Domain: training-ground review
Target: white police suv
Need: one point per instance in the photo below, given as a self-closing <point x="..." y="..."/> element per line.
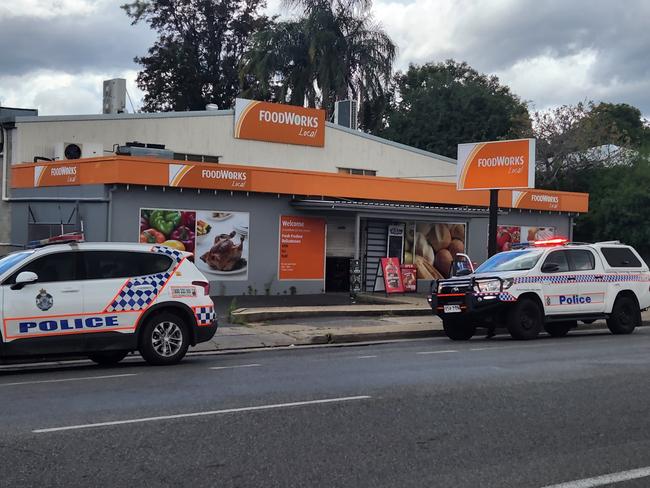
<point x="547" y="285"/>
<point x="103" y="300"/>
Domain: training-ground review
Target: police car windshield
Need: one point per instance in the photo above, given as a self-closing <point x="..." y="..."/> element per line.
<point x="521" y="260"/>
<point x="7" y="262"/>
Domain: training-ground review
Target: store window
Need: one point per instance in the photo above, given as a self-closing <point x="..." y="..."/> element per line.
<point x="356" y="171"/>
<point x="431" y="246"/>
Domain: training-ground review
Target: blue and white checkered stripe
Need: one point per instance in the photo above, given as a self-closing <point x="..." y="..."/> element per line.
<point x="577" y="278"/>
<point x="175" y="254"/>
<point x="138" y="293"/>
<point x="204" y="315"/>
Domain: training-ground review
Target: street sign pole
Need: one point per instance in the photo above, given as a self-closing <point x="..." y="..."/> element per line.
<point x="492" y="226"/>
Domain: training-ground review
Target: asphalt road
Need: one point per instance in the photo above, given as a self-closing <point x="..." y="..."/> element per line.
<point x="425" y="413"/>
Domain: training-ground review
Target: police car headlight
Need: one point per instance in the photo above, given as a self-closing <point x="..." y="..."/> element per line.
<point x="489" y="286"/>
<point x="507" y="283"/>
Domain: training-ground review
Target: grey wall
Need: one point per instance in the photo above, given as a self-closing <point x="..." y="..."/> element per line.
<point x="265" y="211"/>
<point x="478" y="228"/>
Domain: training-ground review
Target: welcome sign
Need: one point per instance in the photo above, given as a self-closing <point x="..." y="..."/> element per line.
<point x="274" y="122"/>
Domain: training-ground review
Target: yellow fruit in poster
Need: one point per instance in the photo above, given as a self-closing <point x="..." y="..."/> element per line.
<point x="174" y="244"/>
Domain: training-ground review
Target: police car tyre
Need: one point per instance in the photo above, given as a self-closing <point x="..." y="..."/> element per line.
<point x="164" y="339"/>
<point x="625" y="316"/>
<point x="560" y="329"/>
<point x="458" y="330"/>
<point x="107" y="358"/>
<point x="525" y="319"/>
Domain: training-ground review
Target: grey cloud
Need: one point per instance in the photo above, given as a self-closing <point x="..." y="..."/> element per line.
<point x="71" y="43"/>
<point x="493" y="41"/>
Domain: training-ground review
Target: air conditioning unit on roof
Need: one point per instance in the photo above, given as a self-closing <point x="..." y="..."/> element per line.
<point x="77" y="150"/>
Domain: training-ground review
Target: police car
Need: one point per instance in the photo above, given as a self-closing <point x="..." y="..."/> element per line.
<point x="103" y="300"/>
<point x="547" y="285"/>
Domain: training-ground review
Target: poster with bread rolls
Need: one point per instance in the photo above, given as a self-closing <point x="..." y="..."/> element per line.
<point x="431" y="247"/>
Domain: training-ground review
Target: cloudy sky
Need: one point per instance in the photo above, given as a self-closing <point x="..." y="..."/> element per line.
<point x="54" y="54"/>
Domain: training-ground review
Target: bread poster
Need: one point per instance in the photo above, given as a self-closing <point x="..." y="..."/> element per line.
<point x="431" y="247"/>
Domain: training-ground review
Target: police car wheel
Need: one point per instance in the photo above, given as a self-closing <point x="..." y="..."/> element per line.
<point x="107" y="358"/>
<point x="525" y="320"/>
<point x="458" y="330"/>
<point x="625" y="316"/>
<point x="559" y="329"/>
<point x="164" y="339"/>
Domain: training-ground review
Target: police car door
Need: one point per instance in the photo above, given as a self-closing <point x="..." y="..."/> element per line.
<point x="558" y="285"/>
<point x="119" y="287"/>
<point x="40" y="311"/>
<point x="591" y="288"/>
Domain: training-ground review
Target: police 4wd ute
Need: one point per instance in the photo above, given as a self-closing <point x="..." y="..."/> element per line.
<point x="547" y="285"/>
<point x="103" y="300"/>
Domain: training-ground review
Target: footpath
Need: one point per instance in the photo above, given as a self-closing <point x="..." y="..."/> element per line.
<point x="263" y="322"/>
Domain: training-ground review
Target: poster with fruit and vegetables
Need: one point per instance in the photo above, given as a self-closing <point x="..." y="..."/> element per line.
<point x="218" y="239"/>
<point x="508" y="235"/>
<point x="431" y="247"/>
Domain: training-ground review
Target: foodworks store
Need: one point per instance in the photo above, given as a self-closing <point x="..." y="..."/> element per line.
<point x="263" y="230"/>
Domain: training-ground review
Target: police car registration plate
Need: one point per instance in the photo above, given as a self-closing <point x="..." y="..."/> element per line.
<point x="451" y="308"/>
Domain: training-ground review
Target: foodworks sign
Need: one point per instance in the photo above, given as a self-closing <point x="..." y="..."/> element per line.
<point x="536" y="200"/>
<point x="496" y="165"/>
<point x="273" y="122"/>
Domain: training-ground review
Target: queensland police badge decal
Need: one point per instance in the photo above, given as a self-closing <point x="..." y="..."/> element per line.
<point x="44" y="300"/>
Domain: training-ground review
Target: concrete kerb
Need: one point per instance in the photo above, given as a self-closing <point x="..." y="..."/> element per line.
<point x="286" y="313"/>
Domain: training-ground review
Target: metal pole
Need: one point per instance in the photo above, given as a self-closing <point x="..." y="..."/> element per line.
<point x="492" y="226"/>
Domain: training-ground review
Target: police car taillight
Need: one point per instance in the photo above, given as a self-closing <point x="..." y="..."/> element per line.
<point x="203" y="284"/>
<point x="556" y="241"/>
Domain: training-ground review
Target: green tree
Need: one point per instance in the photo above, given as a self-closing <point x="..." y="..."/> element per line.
<point x="332" y="51"/>
<point x="199" y="48"/>
<point x="573" y="139"/>
<point x="439" y="105"/>
<point x="618" y="204"/>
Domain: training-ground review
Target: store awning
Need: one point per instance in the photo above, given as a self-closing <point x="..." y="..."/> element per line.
<point x="367" y="206"/>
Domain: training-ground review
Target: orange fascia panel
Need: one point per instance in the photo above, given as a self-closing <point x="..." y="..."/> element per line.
<point x="186" y="174"/>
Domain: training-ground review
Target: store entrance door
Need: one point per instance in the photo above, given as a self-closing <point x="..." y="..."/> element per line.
<point x="337" y="270"/>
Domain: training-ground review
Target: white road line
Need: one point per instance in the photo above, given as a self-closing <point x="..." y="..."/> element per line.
<point x="69" y="379"/>
<point x="365" y="357"/>
<point x="438" y="352"/>
<point x="605" y="479"/>
<point x="237" y="366"/>
<point x="203" y="414"/>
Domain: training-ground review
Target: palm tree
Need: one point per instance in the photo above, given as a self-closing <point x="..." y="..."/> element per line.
<point x="332" y="51"/>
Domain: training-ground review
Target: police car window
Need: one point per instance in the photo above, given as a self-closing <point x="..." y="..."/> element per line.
<point x="519" y="260"/>
<point x="60" y="266"/>
<point x="104" y="265"/>
<point x="559" y="258"/>
<point x="10" y="260"/>
<point x="621" y="257"/>
<point x="581" y="260"/>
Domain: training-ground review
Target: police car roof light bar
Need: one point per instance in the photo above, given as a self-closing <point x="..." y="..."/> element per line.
<point x="70" y="238"/>
<point x="555" y="241"/>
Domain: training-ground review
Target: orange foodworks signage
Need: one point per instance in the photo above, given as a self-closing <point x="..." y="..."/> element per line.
<point x="56" y="175"/>
<point x="496" y="165"/>
<point x="274" y="122"/>
<point x="200" y="176"/>
<point x="536" y="200"/>
<point x="302" y="248"/>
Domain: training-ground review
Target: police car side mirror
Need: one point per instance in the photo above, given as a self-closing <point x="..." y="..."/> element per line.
<point x="24" y="278"/>
<point x="550" y="267"/>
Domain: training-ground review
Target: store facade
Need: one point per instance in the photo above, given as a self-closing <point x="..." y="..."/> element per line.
<point x="274" y="231"/>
